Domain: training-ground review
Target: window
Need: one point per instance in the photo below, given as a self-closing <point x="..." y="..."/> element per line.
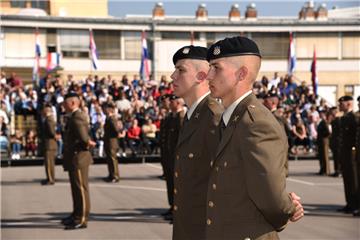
<point x="179" y="35"/>
<point x="272" y="45"/>
<point x="132" y="45"/>
<point x="42" y="4"/>
<point x="351" y="45"/>
<point x="20" y="42"/>
<point x="107" y="44"/>
<point x="17" y="4"/>
<point x="51" y="37"/>
<point x="326" y="44"/>
<point x="349" y="90"/>
<point x="75" y="43"/>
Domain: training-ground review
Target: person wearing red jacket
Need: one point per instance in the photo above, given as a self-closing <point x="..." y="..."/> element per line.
<point x="133" y="135"/>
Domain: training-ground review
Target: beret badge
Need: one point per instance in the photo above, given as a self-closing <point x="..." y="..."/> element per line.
<point x="217" y="50"/>
<point x="186" y="51"/>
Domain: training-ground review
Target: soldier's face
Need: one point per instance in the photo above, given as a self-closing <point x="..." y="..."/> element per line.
<point x="184" y="77"/>
<point x="67" y="105"/>
<point x="222" y="78"/>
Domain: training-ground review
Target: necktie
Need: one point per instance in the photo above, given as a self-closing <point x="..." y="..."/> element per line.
<point x="185" y="121"/>
<point x="222" y="128"/>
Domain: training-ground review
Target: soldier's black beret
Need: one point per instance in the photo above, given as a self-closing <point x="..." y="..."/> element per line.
<point x="230" y="47"/>
<point x="270" y="95"/>
<point x="190" y="52"/>
<point x="173" y="97"/>
<point x="358" y="98"/>
<point x="71" y="94"/>
<point x="345" y="98"/>
<point x="165" y="96"/>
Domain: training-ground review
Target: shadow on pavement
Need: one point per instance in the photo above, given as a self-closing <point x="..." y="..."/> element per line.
<point x="33" y="222"/>
<point x="145" y="215"/>
<point x="35" y="181"/>
<point x="328" y="210"/>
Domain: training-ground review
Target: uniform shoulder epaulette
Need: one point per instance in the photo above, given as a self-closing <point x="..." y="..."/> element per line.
<point x="253" y="111"/>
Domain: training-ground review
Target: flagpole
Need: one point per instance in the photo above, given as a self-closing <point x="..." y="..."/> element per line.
<point x="36" y="67"/>
<point x="90" y="56"/>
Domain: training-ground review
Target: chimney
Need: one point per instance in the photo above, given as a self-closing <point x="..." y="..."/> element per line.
<point x="202" y="13"/>
<point x="158" y="12"/>
<point x="234" y="14"/>
<point x="302" y="13"/>
<point x="251" y="12"/>
<point x="307" y="12"/>
<point x="322" y="12"/>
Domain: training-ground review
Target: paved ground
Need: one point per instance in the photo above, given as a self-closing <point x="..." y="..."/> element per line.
<point x="131" y="208"/>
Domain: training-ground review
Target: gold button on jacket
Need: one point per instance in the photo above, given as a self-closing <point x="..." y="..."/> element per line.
<point x="196" y="146"/>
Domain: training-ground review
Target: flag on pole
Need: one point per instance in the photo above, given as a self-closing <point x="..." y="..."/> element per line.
<point x="53" y="60"/>
<point x="36" y="67"/>
<point x="144" y="66"/>
<point x="314" y="79"/>
<point x="93" y="51"/>
<point x="291" y="56"/>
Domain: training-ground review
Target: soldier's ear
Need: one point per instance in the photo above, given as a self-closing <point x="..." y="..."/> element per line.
<point x="241" y="73"/>
<point x="201" y="76"/>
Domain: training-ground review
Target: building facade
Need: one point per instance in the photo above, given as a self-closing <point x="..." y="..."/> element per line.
<point x="335" y="36"/>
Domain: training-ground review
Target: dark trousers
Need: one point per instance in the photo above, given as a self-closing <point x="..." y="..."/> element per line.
<point x="349" y="173"/>
<point x="50" y="165"/>
<point x="335" y="153"/>
<point x="80" y="194"/>
<point x="323" y="152"/>
<point x="169" y="177"/>
<point x="112" y="163"/>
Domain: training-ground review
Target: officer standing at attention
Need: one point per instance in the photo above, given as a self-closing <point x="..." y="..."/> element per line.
<point x="50" y="145"/>
<point x="76" y="161"/>
<point x="174" y="123"/>
<point x="356" y="213"/>
<point x="111" y="144"/>
<point x="271" y="101"/>
<point x="347" y="138"/>
<point x="200" y="127"/>
<point x="165" y="106"/>
<point x="246" y="194"/>
<point x="334" y="140"/>
<point x="324" y="132"/>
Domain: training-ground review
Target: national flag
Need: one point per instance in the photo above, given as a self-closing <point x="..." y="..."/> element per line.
<point x="314" y="79"/>
<point x="291" y="56"/>
<point x="36" y="67"/>
<point x="53" y="61"/>
<point x="144" y="66"/>
<point x="93" y="51"/>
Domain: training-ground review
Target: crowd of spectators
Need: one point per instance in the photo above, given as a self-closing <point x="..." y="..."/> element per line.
<point x="139" y="109"/>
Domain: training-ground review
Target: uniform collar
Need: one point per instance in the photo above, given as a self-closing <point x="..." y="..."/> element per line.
<point x="195" y="104"/>
<point x="228" y="111"/>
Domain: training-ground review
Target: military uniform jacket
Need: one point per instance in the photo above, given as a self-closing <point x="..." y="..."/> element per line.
<point x="347" y="131"/>
<point x="246" y="192"/>
<point x="163" y="137"/>
<point x="49" y="133"/>
<point x="111" y="133"/>
<point x="323" y="131"/>
<point x="173" y="123"/>
<point x="335" y="131"/>
<point x="197" y="144"/>
<point x="76" y="137"/>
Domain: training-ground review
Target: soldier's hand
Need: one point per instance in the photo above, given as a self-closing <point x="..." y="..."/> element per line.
<point x="91" y="144"/>
<point x="299" y="209"/>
